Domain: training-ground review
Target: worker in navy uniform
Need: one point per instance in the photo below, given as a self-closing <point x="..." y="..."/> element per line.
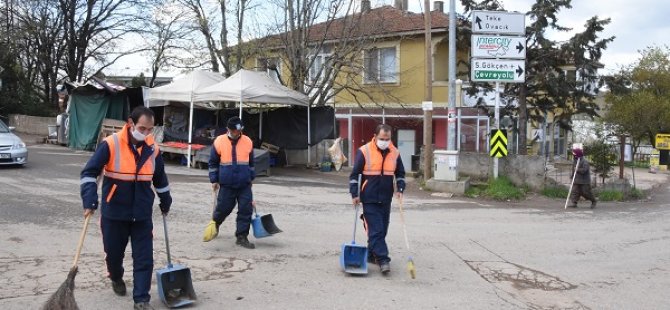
<point x="380" y="164"/>
<point x="231" y="171"/>
<point x="132" y="169"/>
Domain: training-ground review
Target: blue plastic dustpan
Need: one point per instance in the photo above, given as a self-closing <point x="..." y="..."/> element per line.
<point x="263" y="225"/>
<point x="175" y="286"/>
<point x="354" y="258"/>
<point x="259" y="230"/>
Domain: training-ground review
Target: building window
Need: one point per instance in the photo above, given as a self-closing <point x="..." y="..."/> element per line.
<point x="317" y="70"/>
<point x="381" y="65"/>
<point x="271" y="65"/>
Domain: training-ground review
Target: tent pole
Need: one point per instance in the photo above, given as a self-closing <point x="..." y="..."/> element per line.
<point x="241" y="99"/>
<point x="260" y="126"/>
<point x="190" y="133"/>
<point x="309" y="135"/>
<point x="190" y="127"/>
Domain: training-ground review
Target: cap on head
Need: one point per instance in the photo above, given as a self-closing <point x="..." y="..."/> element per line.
<point x="235" y="123"/>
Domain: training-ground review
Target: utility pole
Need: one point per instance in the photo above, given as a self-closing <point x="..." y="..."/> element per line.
<point x="428" y="106"/>
<point x="451" y="146"/>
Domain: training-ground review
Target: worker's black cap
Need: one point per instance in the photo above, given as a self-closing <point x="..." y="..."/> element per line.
<point x="235" y="123"/>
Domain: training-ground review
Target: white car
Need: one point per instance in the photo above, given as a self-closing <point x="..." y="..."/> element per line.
<point x="12" y="150"/>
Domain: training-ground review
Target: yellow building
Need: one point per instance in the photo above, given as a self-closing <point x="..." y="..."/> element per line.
<point x="385" y="80"/>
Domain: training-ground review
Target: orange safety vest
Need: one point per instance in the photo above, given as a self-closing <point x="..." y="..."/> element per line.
<point x="224" y="147"/>
<point x="122" y="164"/>
<point x="374" y="160"/>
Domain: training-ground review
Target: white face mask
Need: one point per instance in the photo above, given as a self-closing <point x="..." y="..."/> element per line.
<point x="138" y="135"/>
<point x="230" y="135"/>
<point x="382" y="145"/>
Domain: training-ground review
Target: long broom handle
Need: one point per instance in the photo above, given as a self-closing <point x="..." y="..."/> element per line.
<point x="87" y="219"/>
<point x="404" y="227"/>
<point x="167" y="242"/>
<point x="574" y="175"/>
<point x="360" y="177"/>
<point x="214" y="194"/>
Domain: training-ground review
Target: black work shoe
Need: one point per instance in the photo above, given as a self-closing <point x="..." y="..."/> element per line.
<point x="593" y="204"/>
<point x="243" y="241"/>
<point x="119" y="287"/>
<point x="385" y="268"/>
<point x="372" y="260"/>
<point x="143" y="306"/>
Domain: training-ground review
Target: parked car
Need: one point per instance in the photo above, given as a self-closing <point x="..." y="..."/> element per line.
<point x="12" y="150"/>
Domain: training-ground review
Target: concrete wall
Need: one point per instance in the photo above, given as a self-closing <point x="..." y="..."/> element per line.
<point x="31" y="124"/>
<point x="520" y="169"/>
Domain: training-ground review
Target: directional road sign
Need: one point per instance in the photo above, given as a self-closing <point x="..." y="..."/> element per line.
<point x="498" y="143"/>
<point x="491" y="46"/>
<point x="498" y="70"/>
<point x="498" y="22"/>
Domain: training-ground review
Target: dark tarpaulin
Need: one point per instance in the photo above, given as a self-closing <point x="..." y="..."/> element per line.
<point x="287" y="127"/>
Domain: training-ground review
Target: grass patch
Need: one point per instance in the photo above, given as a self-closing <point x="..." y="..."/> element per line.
<point x="636" y="194"/>
<point x="555" y="192"/>
<point x="473" y="192"/>
<point x="610" y="196"/>
<point x="503" y="189"/>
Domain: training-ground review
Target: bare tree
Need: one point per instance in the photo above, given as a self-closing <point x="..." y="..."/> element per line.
<point x="42" y="45"/>
<point x="168" y="39"/>
<point x="208" y="19"/>
<point x="94" y="31"/>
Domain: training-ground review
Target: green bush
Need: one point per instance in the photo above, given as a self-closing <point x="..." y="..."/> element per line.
<point x="503" y="189"/>
<point x="610" y="196"/>
<point x="555" y="192"/>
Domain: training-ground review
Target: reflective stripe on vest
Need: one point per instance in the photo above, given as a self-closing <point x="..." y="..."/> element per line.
<point x="374" y="159"/>
<point x="224" y="147"/>
<point x="122" y="164"/>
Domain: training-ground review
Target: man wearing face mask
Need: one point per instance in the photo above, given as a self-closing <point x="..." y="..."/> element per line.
<point x="379" y="163"/>
<point x="131" y="163"/>
<point x="231" y="171"/>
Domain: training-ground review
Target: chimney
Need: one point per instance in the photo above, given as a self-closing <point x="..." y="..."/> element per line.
<point x="401" y="5"/>
<point x="365" y="6"/>
<point x="439" y="6"/>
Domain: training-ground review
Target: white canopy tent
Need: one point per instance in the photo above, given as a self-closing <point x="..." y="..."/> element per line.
<point x="257" y="87"/>
<point x="182" y="90"/>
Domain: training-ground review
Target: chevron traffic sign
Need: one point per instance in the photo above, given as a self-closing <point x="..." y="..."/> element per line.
<point x="498" y="144"/>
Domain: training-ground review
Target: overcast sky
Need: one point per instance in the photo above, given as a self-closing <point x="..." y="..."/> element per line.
<point x="636" y="25"/>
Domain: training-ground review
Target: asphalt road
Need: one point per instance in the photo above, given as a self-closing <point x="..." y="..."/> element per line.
<point x="469" y="254"/>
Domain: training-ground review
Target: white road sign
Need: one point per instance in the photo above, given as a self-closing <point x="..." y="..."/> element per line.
<point x="490" y="46"/>
<point x="498" y="70"/>
<point x="498" y="22"/>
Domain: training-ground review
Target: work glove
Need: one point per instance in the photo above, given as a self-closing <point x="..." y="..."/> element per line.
<point x="166" y="202"/>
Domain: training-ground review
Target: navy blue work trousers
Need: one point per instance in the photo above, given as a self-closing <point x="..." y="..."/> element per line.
<point x="376" y="217"/>
<point x="115" y="235"/>
<point x="225" y="204"/>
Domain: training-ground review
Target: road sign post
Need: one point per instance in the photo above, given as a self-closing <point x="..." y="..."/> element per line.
<point x="498" y="55"/>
